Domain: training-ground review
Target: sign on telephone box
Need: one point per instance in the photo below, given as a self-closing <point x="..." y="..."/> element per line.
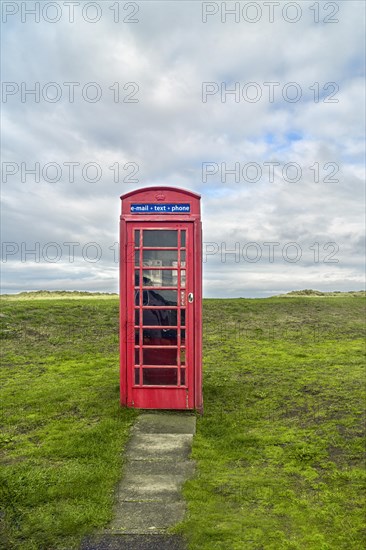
<point x="161" y="299"/>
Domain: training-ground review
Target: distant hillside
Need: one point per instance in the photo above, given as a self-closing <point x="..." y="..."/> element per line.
<point x="310" y="292"/>
<point x="47" y="294"/>
<point x="76" y="294"/>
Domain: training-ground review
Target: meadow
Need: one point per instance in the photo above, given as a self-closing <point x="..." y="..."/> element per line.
<point x="279" y="449"/>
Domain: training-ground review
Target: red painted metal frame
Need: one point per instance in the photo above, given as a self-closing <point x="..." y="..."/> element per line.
<point x="168" y="396"/>
<point x="164" y="397"/>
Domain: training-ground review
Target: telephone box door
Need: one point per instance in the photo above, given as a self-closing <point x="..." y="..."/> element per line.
<point x="160" y="315"/>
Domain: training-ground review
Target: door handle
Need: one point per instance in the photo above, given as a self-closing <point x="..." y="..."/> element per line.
<point x="190" y="297"/>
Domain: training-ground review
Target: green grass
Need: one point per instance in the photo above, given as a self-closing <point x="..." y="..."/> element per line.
<point x="279" y="448"/>
<point x="62" y="427"/>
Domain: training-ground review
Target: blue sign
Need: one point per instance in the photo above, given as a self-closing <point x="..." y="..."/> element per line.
<point x="151" y="208"/>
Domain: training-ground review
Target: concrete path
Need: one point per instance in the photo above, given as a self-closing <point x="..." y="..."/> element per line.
<point x="148" y="499"/>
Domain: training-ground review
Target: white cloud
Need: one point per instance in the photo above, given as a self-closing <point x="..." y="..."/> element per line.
<point x="170" y="132"/>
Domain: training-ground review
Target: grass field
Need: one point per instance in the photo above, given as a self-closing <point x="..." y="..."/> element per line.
<point x="279" y="449"/>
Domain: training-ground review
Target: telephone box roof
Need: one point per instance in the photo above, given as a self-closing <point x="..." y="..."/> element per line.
<point x="160" y="188"/>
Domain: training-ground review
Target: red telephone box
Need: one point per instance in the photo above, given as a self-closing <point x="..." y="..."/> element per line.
<point x="161" y="299"/>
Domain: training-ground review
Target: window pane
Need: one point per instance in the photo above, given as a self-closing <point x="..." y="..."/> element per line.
<point x="160" y="377"/>
<point x="183" y="377"/>
<point x="152" y="277"/>
<point x="183" y="258"/>
<point x="157" y="297"/>
<point x="159" y="277"/>
<point x="137" y="376"/>
<point x="137" y="356"/>
<point x="170" y="278"/>
<point x="160" y="258"/>
<point x="183" y="238"/>
<point x="182" y="337"/>
<point x="183" y="317"/>
<point x="169" y="296"/>
<point x="159" y="337"/>
<point x="137" y="257"/>
<point x="137" y="237"/>
<point x="182" y="356"/>
<point x="160" y="237"/>
<point x="162" y="356"/>
<point x="160" y="317"/>
<point x="137" y="317"/>
<point x="183" y="278"/>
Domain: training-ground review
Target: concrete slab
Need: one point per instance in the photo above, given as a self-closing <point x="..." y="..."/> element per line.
<point x="169" y="423"/>
<point x="180" y="468"/>
<point x="134" y="542"/>
<point x="159" y="446"/>
<point x="146" y="517"/>
<point x="153" y="487"/>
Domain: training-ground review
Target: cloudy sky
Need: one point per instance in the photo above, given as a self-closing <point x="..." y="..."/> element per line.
<point x="257" y="106"/>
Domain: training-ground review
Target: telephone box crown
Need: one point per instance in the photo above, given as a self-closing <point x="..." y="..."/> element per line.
<point x="160" y="197"/>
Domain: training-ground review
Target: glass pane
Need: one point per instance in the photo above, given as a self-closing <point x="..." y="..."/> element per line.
<point x="182" y="337"/>
<point x="183" y="278"/>
<point x="169" y="296"/>
<point x="183" y="317"/>
<point x="160" y="258"/>
<point x="137" y="237"/>
<point x="162" y="356"/>
<point x="160" y="317"/>
<point x="157" y="297"/>
<point x="152" y="277"/>
<point x="159" y="337"/>
<point x="183" y="377"/>
<point x="160" y="237"/>
<point x="137" y="356"/>
<point x="137" y="257"/>
<point x="137" y="376"/>
<point x="159" y="277"/>
<point x="160" y="377"/>
<point x="137" y="337"/>
<point x="183" y="258"/>
<point x="182" y="356"/>
<point x="183" y="238"/>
